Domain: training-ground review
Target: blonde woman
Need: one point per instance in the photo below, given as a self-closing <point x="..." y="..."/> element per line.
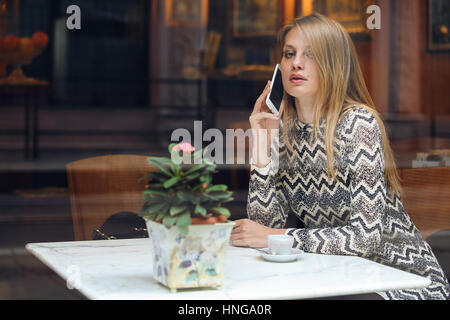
<point x="336" y="170"/>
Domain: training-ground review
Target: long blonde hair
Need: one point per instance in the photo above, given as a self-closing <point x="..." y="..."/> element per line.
<point x="341" y="86"/>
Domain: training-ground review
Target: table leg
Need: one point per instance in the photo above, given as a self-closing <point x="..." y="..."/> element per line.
<point x="27" y="130"/>
<point x="35" y="127"/>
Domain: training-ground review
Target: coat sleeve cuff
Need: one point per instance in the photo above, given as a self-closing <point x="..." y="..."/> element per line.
<point x="262" y="171"/>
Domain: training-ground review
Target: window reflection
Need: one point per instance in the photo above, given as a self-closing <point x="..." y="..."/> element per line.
<point x="139" y="69"/>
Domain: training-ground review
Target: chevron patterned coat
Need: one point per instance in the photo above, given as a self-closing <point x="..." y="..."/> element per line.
<point x="354" y="215"/>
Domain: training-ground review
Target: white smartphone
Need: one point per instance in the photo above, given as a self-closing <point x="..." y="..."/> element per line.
<point x="275" y="96"/>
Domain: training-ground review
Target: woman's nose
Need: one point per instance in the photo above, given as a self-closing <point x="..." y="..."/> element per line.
<point x="298" y="63"/>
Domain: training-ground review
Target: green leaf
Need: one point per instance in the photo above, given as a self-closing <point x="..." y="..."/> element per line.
<point x="206" y="179"/>
<point x="219" y="195"/>
<point x="183" y="230"/>
<point x="171" y="146"/>
<point x="169" y="221"/>
<point x="160" y="164"/>
<point x="198" y="187"/>
<point x="157" y="186"/>
<point x="160" y="216"/>
<point x="194" y="168"/>
<point x="171" y="182"/>
<point x="217" y="187"/>
<point x="200" y="210"/>
<point x="174" y="209"/>
<point x="214" y="197"/>
<point x="184" y="220"/>
<point x="198" y="154"/>
<point x="221" y="210"/>
<point x="183" y="195"/>
<point x="176" y="169"/>
<point x="187" y="196"/>
<point x="148" y="194"/>
<point x="143" y="213"/>
<point x="157" y="176"/>
<point x="192" y="176"/>
<point x="156" y="207"/>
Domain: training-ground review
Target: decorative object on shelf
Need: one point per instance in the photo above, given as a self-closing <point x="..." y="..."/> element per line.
<point x="350" y="13"/>
<point x="207" y="57"/>
<point x="438" y="25"/>
<point x="433" y="158"/>
<point x="185" y="219"/>
<point x="261" y="71"/>
<point x="255" y="18"/>
<point x="211" y="50"/>
<point x="16" y="50"/>
<point x="186" y="13"/>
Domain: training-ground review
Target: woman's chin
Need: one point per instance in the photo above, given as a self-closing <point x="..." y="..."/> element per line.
<point x="298" y="92"/>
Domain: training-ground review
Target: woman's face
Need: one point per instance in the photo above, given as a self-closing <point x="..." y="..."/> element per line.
<point x="298" y="69"/>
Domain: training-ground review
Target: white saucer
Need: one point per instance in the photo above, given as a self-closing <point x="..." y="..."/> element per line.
<point x="295" y="254"/>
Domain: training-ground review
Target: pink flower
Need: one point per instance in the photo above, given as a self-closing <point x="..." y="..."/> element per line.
<point x="185" y="147"/>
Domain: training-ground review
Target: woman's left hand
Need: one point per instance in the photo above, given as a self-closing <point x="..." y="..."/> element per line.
<point x="248" y="233"/>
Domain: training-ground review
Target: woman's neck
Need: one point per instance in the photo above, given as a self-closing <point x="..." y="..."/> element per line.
<point x="305" y="109"/>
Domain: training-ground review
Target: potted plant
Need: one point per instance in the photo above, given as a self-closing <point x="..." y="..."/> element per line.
<point x="186" y="220"/>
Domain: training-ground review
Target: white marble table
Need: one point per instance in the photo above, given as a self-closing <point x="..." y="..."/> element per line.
<point x="122" y="269"/>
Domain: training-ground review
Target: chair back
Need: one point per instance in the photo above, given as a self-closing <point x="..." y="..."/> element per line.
<point x="426" y="197"/>
<point x="102" y="186"/>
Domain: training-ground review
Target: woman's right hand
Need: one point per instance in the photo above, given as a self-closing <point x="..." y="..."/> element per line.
<point x="262" y="121"/>
<point x="262" y="117"/>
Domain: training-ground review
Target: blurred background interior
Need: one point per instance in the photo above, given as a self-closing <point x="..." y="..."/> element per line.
<point x="138" y="69"/>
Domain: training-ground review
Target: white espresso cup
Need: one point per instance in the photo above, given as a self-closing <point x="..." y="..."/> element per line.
<point x="280" y="244"/>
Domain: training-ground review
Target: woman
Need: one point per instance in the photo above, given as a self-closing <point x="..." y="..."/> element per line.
<point x="336" y="169"/>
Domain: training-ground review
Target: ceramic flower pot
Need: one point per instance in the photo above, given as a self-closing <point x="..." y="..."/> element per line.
<point x="189" y="261"/>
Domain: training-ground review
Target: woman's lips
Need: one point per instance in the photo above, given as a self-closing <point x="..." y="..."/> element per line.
<point x="297" y="79"/>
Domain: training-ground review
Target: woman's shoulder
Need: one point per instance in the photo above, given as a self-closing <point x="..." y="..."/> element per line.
<point x="354" y="116"/>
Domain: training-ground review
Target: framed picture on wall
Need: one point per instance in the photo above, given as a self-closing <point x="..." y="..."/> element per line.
<point x="186" y="13"/>
<point x="438" y="25"/>
<point x="256" y="18"/>
<point x="350" y="13"/>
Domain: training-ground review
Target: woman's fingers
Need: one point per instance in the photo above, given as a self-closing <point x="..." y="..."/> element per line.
<point x="240" y="243"/>
<point x="235" y="230"/>
<point x="248" y="233"/>
<point x="236" y="236"/>
<point x="263" y="115"/>
<point x="239" y="238"/>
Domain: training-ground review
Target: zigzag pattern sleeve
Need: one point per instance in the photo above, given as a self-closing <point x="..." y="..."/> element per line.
<point x="363" y="154"/>
<point x="266" y="203"/>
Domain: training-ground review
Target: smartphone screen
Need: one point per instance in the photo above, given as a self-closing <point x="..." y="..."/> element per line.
<point x="275" y="96"/>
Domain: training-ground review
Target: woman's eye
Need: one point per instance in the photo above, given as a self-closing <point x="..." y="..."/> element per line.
<point x="289" y="54"/>
<point x="308" y="54"/>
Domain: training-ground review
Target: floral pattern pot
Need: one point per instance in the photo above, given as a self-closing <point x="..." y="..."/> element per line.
<point x="189" y="261"/>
